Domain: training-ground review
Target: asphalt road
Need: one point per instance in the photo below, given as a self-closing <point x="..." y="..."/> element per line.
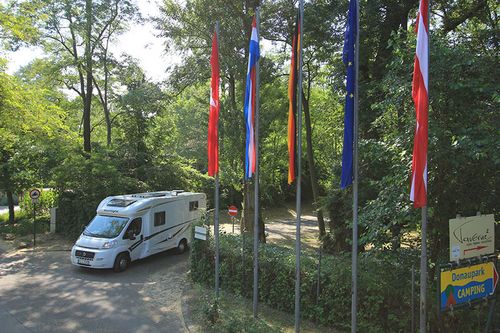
<point x="43" y="292"/>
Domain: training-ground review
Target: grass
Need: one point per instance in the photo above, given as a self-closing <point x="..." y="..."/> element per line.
<point x="23" y="224"/>
<point x="19" y="215"/>
<point x="235" y="314"/>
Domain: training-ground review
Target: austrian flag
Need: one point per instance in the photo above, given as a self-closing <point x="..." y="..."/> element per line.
<point x="420" y="94"/>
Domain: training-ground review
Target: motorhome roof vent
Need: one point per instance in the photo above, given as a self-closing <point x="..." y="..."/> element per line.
<point x="120" y="202"/>
<point x="150" y="195"/>
<point x="176" y="192"/>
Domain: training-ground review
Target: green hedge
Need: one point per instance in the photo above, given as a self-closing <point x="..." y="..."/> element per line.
<point x="384" y="282"/>
<point x="384" y="285"/>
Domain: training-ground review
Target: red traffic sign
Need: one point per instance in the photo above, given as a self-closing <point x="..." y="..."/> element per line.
<point x="233" y="211"/>
<point x="34" y="194"/>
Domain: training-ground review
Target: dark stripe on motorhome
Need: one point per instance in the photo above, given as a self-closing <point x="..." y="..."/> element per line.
<point x="180" y="230"/>
<point x="159" y="232"/>
<point x="136" y="244"/>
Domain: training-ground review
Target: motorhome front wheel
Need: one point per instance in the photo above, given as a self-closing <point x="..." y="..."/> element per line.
<point x="121" y="263"/>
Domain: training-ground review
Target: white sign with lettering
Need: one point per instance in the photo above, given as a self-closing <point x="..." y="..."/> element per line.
<point x="472" y="236"/>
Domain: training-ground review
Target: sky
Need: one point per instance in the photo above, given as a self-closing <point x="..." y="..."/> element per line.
<point x="140" y="42"/>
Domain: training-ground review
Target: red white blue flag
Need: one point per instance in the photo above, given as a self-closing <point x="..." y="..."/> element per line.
<point x="250" y="94"/>
<point x="418" y="193"/>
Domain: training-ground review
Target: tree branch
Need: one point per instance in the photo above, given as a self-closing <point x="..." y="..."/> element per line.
<point x="451" y="24"/>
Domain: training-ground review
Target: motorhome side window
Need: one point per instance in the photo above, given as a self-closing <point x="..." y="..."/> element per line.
<point x="135" y="226"/>
<point x="193" y="205"/>
<point x="159" y="218"/>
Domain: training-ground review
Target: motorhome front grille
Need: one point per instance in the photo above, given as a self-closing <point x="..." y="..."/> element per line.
<point x="85" y="254"/>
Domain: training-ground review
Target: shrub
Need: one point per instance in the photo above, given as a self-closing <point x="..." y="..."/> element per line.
<point x="24" y="226"/>
<point x="82" y="184"/>
<point x="47" y="200"/>
<point x="384" y="283"/>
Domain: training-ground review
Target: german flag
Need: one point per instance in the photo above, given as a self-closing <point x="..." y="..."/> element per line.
<point x="292" y="96"/>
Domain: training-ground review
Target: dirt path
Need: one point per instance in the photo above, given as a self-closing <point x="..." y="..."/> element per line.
<point x="280" y="224"/>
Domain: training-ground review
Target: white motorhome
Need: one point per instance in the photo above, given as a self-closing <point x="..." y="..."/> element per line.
<point x="134" y="226"/>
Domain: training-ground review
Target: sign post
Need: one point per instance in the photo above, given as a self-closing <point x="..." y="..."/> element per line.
<point x="35" y="196"/>
<point x="232" y="211"/>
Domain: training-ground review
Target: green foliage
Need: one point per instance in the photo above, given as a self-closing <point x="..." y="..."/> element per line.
<point x="17" y="23"/>
<point x="462" y="144"/>
<point x="47" y="200"/>
<point x="24" y="224"/>
<point x="82" y="184"/>
<point x="20" y="215"/>
<point x="384" y="282"/>
<point x="227" y="315"/>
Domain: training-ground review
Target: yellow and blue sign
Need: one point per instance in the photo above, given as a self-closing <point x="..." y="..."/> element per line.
<point x="467" y="284"/>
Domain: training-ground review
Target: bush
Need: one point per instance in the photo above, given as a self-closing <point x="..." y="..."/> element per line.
<point x="82" y="184"/>
<point x="384" y="283"/>
<point x="24" y="226"/>
<point x="47" y="200"/>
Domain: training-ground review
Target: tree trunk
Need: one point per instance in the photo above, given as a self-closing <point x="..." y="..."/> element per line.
<point x="10" y="203"/>
<point x="232" y="91"/>
<point x="248" y="220"/>
<point x="105" y="103"/>
<point x="312" y="167"/>
<point x="88" y="68"/>
<point x="248" y="207"/>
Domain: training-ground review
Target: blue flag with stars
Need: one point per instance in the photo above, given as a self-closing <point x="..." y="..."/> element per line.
<point x="348" y="56"/>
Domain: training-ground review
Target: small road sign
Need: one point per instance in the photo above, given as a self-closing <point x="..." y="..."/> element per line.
<point x="200" y="233"/>
<point x="233" y="210"/>
<point x="35" y="194"/>
<point x="466" y="284"/>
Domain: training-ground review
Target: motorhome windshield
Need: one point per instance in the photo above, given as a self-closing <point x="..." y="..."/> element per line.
<point x="105" y="226"/>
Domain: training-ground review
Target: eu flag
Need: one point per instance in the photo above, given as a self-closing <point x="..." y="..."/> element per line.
<point x="348" y="57"/>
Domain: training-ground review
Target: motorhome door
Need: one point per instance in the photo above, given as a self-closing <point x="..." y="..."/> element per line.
<point x="135" y="238"/>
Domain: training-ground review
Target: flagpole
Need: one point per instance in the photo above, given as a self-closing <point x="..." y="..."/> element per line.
<point x="354" y="304"/>
<point x="423" y="273"/>
<point x="216" y="212"/>
<point x="423" y="256"/>
<point x="298" y="179"/>
<point x="256" y="182"/>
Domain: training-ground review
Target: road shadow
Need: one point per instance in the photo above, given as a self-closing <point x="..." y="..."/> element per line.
<point x="46" y="293"/>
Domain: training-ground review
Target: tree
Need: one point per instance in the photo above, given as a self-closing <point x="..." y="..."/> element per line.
<point x="91" y="24"/>
<point x="30" y="126"/>
<point x="189" y="28"/>
<point x="18" y="23"/>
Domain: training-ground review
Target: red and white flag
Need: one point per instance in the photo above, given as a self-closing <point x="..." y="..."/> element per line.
<point x="213" y="118"/>
<point x="420" y="96"/>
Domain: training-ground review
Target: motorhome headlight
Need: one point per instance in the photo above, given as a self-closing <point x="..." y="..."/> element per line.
<point x="109" y="245"/>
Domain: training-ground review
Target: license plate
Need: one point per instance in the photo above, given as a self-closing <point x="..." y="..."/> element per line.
<point x="83" y="262"/>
